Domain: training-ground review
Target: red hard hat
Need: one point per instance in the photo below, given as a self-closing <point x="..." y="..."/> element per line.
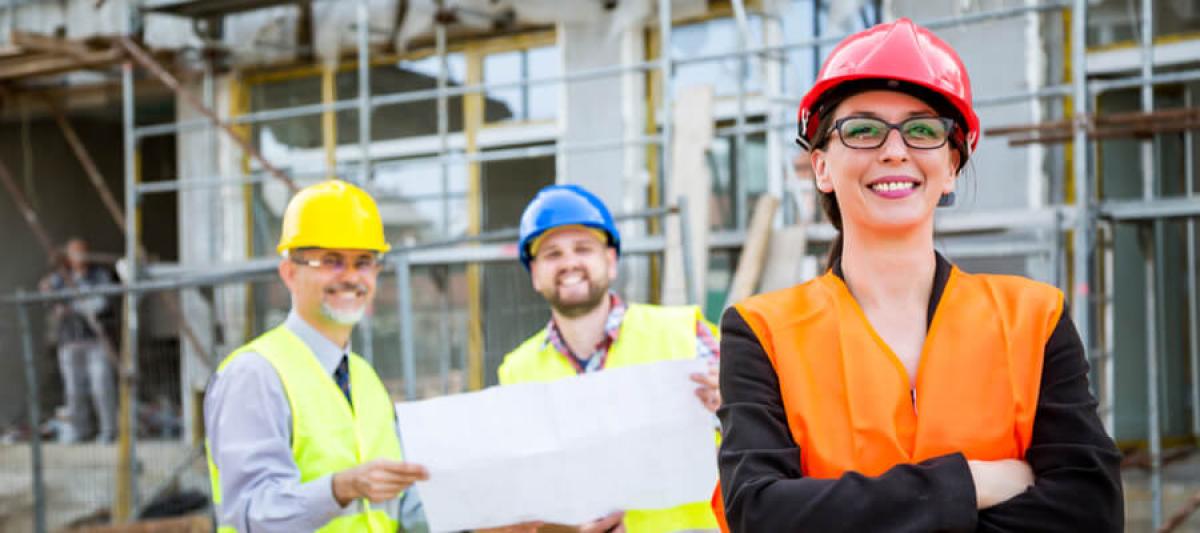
<point x="901" y="51"/>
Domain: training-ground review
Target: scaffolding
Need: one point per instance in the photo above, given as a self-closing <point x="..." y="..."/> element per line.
<point x="1084" y="274"/>
<point x="481" y="248"/>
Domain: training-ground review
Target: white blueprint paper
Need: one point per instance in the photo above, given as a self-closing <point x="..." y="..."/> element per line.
<point x="564" y="452"/>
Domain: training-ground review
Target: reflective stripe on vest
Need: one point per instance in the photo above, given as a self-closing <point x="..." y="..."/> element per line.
<point x="327" y="435"/>
<point x="648" y="334"/>
<point x="848" y="398"/>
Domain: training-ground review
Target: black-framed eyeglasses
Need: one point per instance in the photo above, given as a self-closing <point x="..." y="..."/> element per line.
<point x="922" y="133"/>
<point x="337" y="263"/>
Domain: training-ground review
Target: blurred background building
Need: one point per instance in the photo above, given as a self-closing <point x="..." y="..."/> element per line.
<point x="454" y="112"/>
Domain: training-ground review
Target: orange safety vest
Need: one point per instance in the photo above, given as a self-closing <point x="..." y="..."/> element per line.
<point x="849" y="401"/>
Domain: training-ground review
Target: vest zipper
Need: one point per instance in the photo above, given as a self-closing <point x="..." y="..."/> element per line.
<point x="914" y="399"/>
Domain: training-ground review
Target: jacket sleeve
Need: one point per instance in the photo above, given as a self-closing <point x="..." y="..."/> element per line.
<point x="764" y="487"/>
<point x="1076" y="466"/>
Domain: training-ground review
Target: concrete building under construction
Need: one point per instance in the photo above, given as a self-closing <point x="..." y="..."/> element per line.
<point x="170" y="134"/>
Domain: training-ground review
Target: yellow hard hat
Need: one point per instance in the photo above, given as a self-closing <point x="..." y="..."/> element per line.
<point x="332" y="214"/>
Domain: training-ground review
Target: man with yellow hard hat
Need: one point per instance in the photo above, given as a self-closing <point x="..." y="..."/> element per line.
<point x="301" y="432"/>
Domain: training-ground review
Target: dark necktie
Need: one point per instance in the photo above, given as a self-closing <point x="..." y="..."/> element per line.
<point x="342" y="377"/>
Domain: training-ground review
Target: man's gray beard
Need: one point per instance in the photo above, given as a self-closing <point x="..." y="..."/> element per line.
<point x="345" y="318"/>
<point x="596" y="294"/>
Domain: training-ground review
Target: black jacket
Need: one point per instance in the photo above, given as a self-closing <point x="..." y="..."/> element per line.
<point x="1075" y="463"/>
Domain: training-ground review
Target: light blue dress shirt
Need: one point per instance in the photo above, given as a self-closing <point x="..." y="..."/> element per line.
<point x="249" y="424"/>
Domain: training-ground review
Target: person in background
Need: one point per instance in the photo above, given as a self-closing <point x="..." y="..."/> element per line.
<point x="84" y="358"/>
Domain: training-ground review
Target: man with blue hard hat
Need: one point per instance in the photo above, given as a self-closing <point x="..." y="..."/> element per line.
<point x="570" y="245"/>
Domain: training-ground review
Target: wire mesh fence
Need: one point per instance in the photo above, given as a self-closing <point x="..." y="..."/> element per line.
<point x="186" y="323"/>
<point x="76" y="465"/>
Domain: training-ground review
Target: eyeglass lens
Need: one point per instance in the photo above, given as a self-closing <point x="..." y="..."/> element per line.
<point x="337" y="262"/>
<point x="917" y="132"/>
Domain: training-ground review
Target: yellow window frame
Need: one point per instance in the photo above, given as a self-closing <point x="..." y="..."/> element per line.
<point x="474" y="51"/>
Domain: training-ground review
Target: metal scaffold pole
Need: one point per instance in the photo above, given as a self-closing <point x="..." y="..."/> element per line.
<point x="362" y="11"/>
<point x="739" y="153"/>
<point x="1152" y="250"/>
<point x="363" y="21"/>
<point x="138" y="54"/>
<point x="1189" y="177"/>
<point x="404" y="309"/>
<point x="476" y="88"/>
<point x="32" y="397"/>
<point x="665" y="77"/>
<point x="126" y="494"/>
<point x="1081" y="264"/>
<point x="443" y="133"/>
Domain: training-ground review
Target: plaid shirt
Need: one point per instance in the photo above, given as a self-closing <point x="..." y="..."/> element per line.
<point x="707" y="347"/>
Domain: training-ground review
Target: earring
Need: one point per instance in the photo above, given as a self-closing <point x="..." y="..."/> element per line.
<point x="946" y="200"/>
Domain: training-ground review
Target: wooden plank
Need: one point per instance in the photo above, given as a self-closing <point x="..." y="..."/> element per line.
<point x="216" y="8"/>
<point x="691" y="178"/>
<point x="1142" y="122"/>
<point x="46" y="43"/>
<point x="786" y="260"/>
<point x="48" y="64"/>
<point x="26" y="210"/>
<point x="150" y="63"/>
<point x="85" y="160"/>
<point x="183" y="524"/>
<point x="26" y="56"/>
<point x="754" y="251"/>
<point x="10" y="50"/>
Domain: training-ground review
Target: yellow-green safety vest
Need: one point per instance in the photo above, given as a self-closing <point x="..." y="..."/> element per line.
<point x="649" y="334"/>
<point x="327" y="435"/>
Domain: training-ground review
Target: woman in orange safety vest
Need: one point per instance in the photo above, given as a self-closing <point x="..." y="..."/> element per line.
<point x="897" y="392"/>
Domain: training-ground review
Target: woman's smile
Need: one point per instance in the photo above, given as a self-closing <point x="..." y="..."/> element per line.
<point x="894" y="187"/>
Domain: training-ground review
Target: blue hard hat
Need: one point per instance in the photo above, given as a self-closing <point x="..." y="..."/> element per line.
<point x="564" y="205"/>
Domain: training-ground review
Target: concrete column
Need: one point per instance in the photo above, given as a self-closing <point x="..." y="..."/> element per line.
<point x="607" y="109"/>
<point x="600" y="109"/>
<point x="211" y="232"/>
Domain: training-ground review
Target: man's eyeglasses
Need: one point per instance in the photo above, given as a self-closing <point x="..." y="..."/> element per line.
<point x="922" y="133"/>
<point x="337" y="263"/>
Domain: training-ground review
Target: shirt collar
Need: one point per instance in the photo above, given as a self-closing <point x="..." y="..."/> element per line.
<point x="328" y="354"/>
<point x="616" y="315"/>
<point x="612" y="325"/>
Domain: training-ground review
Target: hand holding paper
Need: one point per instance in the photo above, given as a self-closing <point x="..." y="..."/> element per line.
<point x="565" y="452"/>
